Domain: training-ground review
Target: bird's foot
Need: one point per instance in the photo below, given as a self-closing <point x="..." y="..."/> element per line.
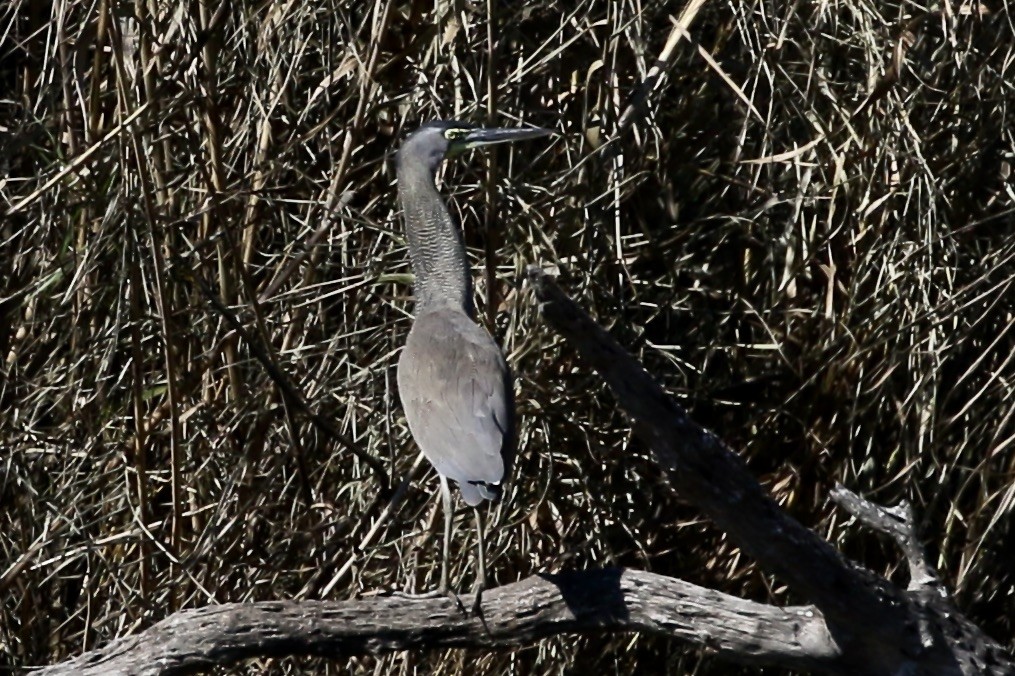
<point x="454" y="598"/>
<point x="477" y="601"/>
<point x="458" y="601"/>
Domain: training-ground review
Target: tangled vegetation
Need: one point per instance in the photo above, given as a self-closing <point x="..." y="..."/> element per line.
<point x="806" y="232"/>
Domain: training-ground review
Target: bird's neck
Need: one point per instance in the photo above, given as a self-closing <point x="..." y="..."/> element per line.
<point x="439" y="263"/>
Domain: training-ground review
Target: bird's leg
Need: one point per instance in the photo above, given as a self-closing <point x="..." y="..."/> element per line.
<point x="444" y="589"/>
<point x="481" y="559"/>
<point x="446" y="497"/>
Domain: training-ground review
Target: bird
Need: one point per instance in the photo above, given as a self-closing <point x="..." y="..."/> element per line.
<point x="453" y="381"/>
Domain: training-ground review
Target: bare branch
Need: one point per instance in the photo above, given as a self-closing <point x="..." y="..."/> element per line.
<point x="896" y="522"/>
<point x="710" y="476"/>
<point x="515" y="614"/>
<point x="872" y="621"/>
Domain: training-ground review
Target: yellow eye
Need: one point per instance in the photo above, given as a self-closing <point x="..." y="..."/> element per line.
<point x="455" y="134"/>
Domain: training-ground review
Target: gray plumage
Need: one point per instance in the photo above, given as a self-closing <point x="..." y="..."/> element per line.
<point x="453" y="381"/>
<point x="456" y="391"/>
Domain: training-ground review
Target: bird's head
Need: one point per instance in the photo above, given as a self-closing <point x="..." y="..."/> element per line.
<point x="435" y="141"/>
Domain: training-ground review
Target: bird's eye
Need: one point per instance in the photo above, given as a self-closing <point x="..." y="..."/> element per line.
<point x="454" y="134"/>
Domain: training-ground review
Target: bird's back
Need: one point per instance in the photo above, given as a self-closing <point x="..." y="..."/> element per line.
<point x="456" y="391"/>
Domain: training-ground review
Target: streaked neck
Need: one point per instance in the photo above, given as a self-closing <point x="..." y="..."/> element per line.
<point x="436" y="251"/>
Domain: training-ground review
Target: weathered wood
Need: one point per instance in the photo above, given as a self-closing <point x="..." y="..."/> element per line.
<point x="897" y="523"/>
<point x="879" y="628"/>
<point x="707" y="474"/>
<point x="514" y="614"/>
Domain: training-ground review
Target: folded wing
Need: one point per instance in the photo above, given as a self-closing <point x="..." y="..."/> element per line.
<point x="455" y="389"/>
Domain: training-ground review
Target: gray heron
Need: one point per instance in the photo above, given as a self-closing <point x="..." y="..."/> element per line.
<point x="453" y="381"/>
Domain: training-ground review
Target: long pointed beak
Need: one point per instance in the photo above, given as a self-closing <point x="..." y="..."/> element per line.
<point x="486" y="137"/>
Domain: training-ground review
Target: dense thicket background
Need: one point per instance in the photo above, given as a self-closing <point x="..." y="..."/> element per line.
<point x="809" y="240"/>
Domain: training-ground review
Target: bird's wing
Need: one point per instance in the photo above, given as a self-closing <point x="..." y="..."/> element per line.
<point x="455" y="390"/>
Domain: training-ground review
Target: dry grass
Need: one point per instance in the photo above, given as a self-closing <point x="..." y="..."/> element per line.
<point x="809" y="239"/>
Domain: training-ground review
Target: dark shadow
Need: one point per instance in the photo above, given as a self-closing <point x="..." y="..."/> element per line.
<point x="592" y="595"/>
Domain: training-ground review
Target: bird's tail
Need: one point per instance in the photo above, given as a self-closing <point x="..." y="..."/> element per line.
<point x="474" y="492"/>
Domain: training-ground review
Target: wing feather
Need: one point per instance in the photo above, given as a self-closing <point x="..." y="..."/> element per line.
<point x="455" y="389"/>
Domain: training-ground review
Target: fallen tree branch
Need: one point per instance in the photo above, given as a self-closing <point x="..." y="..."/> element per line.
<point x="879" y="628"/>
<point x="515" y="614"/>
<point x="713" y="478"/>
